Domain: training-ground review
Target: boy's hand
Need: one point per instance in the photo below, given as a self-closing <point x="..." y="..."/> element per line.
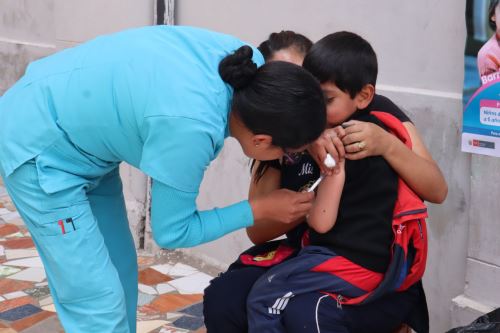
<point x="363" y="139"/>
<point x="328" y="143"/>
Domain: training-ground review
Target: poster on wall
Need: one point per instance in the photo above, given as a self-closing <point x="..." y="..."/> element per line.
<point x="481" y="98"/>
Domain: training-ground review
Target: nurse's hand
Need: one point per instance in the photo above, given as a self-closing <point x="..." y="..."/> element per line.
<point x="282" y="205"/>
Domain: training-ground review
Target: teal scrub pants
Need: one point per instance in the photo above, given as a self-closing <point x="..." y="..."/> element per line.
<point x="74" y="209"/>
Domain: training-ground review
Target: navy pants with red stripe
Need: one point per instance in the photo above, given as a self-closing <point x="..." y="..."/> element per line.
<point x="226" y="298"/>
<point x="273" y="291"/>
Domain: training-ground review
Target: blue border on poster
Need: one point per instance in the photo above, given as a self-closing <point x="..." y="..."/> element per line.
<point x="481" y="121"/>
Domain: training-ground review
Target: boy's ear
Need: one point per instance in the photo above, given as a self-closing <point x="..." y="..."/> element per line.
<point x="365" y="96"/>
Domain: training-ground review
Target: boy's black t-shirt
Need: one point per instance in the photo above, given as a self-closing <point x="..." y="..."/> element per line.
<point x="363" y="232"/>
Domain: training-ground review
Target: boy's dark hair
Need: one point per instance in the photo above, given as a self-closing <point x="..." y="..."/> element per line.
<point x="283" y="40"/>
<point x="491" y="12"/>
<point x="345" y="59"/>
<point x="279" y="99"/>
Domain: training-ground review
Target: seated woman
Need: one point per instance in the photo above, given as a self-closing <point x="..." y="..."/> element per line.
<point x="383" y="315"/>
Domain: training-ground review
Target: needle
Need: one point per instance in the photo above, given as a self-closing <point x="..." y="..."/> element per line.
<point x="316" y="183"/>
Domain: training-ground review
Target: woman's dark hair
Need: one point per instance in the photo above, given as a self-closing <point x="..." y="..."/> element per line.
<point x="279" y="99"/>
<point x="283" y="40"/>
<point x="345" y="59"/>
<point x="491" y="12"/>
<point x="278" y="41"/>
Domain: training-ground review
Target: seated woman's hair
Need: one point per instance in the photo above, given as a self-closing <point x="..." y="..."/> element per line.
<point x="282" y="40"/>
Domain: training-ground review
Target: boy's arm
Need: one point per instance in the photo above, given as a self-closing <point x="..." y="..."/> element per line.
<point x="324" y="212"/>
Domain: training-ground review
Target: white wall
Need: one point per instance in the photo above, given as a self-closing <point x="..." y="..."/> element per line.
<point x="420" y="48"/>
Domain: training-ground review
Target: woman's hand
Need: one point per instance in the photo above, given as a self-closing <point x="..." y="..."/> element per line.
<point x="282" y="205"/>
<point x="415" y="166"/>
<point x="363" y="139"/>
<point x="328" y="143"/>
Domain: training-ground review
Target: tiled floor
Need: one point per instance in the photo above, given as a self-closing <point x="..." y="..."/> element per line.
<point x="170" y="291"/>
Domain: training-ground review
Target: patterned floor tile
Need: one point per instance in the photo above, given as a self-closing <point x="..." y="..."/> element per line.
<point x="15" y="294"/>
<point x="19" y="312"/>
<point x="148" y="312"/>
<point x="18" y="243"/>
<point x="144" y="299"/>
<point x="19" y="254"/>
<point x="192" y="284"/>
<point x="50" y="308"/>
<point x="201" y="330"/>
<point x="194" y="310"/>
<point x="150" y="325"/>
<point x="189" y="323"/>
<point x="180" y="269"/>
<point x="18" y="234"/>
<point x="25" y="262"/>
<point x="7" y="270"/>
<point x="147" y="289"/>
<point x="172" y="302"/>
<point x="8" y="229"/>
<point x="171" y="316"/>
<point x="16" y="302"/>
<point x="18" y="222"/>
<point x="145" y="261"/>
<point x="24" y="323"/>
<point x="164" y="268"/>
<point x="32" y="274"/>
<point x="9" y="286"/>
<point x="151" y="277"/>
<point x="50" y="325"/>
<point x="38" y="292"/>
<point x="46" y="301"/>
<point x="164" y="288"/>
<point x="172" y="329"/>
<point x="10" y="216"/>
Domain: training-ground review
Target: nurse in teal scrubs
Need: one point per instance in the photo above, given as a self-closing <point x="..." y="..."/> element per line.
<point x="163" y="99"/>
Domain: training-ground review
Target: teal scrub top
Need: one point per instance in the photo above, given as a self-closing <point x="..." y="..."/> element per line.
<point x="151" y="97"/>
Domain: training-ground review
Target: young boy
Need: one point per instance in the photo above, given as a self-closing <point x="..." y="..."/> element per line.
<point x="351" y="220"/>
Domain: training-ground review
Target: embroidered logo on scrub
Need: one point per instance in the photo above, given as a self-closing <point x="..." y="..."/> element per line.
<point x="68" y="222"/>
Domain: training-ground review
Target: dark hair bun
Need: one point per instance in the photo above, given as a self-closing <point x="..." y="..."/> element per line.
<point x="238" y="69"/>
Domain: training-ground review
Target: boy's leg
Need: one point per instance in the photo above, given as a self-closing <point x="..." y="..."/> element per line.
<point x="225" y="300"/>
<point x="317" y="312"/>
<point x="85" y="284"/>
<point x="108" y="207"/>
<point x="272" y="292"/>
